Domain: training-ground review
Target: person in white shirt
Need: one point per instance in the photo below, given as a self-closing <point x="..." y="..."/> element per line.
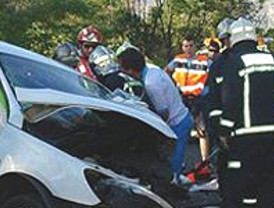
<point x="166" y="101"/>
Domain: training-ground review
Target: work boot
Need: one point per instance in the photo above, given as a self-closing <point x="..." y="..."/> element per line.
<point x="212" y="185"/>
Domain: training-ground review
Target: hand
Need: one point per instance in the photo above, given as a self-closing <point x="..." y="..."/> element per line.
<point x="169" y="70"/>
<point x="164" y="114"/>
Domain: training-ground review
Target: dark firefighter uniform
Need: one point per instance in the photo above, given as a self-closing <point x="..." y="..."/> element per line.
<point x="214" y="110"/>
<point x="247" y="123"/>
<point x="215" y="81"/>
<point x="214" y="101"/>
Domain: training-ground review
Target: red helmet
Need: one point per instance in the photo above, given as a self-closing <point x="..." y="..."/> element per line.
<point x="89" y="35"/>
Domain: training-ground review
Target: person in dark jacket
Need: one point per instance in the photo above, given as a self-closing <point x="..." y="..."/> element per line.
<point x="247" y="122"/>
<point x="216" y="72"/>
<point x="214" y="103"/>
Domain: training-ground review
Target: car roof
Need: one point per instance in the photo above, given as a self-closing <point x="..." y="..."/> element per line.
<point x="7" y="48"/>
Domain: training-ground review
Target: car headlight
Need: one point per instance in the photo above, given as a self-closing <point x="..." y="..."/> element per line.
<point x="96" y="181"/>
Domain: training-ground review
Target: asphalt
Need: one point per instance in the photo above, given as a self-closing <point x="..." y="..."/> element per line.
<point x="200" y="199"/>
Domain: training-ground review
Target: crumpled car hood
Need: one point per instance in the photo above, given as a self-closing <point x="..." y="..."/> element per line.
<point x="126" y="107"/>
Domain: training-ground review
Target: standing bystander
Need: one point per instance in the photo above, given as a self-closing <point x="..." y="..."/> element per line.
<point x="190" y="73"/>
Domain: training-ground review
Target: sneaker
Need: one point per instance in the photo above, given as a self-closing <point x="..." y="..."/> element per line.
<point x="201" y="173"/>
<point x="181" y="181"/>
<point x="212" y="185"/>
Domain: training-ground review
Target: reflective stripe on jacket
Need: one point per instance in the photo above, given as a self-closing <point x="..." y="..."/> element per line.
<point x="190" y="73"/>
<point x="248" y="92"/>
<point x="84" y="68"/>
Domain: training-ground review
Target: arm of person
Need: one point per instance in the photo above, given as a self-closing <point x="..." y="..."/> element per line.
<point x="164" y="114"/>
<point x="169" y="69"/>
<point x="213" y="104"/>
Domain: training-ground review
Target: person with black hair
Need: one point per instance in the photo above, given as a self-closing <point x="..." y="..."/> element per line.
<point x="166" y="101"/>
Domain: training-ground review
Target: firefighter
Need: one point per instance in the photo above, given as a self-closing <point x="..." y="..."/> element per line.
<point x="213" y="103"/>
<point x="88" y="39"/>
<point x="103" y="64"/>
<point x="216" y="70"/>
<point x="247" y="122"/>
<point x="214" y="50"/>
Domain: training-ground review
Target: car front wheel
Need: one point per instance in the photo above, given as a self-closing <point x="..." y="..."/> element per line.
<point x="24" y="200"/>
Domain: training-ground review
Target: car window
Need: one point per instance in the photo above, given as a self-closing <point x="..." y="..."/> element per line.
<point x="27" y="73"/>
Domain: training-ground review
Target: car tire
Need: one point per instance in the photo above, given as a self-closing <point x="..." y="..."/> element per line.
<point x="119" y="198"/>
<point x="23" y="200"/>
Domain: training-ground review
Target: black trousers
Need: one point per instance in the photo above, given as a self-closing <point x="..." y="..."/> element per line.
<point x="249" y="175"/>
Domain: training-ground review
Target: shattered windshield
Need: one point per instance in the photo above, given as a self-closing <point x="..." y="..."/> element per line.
<point x="26" y="73"/>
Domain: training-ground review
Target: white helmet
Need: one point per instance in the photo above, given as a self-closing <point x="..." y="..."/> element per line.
<point x="103" y="60"/>
<point x="242" y="29"/>
<point x="125" y="46"/>
<point x="223" y="28"/>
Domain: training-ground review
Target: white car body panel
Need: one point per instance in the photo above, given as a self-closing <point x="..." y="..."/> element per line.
<point x="22" y="153"/>
<point x="62" y="174"/>
<point x="53" y="97"/>
<point x="129" y="184"/>
<point x="132" y="110"/>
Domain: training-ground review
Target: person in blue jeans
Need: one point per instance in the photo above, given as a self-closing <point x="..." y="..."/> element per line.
<point x="166" y="101"/>
<point x="182" y="131"/>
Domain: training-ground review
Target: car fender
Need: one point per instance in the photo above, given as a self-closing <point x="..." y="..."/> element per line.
<point x="62" y="174"/>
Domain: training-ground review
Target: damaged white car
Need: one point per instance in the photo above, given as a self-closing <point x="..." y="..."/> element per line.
<point x="66" y="142"/>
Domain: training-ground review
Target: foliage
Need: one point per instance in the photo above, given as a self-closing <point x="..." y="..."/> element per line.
<point x="42" y="25"/>
<point x="270" y="33"/>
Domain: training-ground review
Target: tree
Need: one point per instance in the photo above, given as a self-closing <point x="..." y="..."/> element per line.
<point x="157" y="30"/>
<point x="40" y="25"/>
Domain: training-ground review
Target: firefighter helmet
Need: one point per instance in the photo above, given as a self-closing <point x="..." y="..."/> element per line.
<point x="67" y="53"/>
<point x="103" y="61"/>
<point x="125" y="46"/>
<point x="223" y="28"/>
<point x="240" y="30"/>
<point x="89" y="35"/>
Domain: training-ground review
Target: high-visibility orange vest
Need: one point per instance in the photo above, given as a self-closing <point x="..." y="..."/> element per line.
<point x="191" y="73"/>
